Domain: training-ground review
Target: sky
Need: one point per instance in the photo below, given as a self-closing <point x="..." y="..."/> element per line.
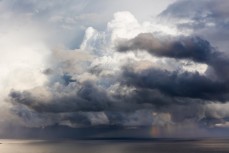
<point x="159" y="67"/>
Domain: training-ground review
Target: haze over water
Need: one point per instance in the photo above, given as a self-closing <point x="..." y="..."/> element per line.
<point x="101" y="146"/>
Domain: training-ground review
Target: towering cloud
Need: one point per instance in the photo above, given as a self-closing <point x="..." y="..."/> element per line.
<point x="129" y="73"/>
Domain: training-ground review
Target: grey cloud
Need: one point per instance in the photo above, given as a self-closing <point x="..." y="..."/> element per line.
<point x="75" y="119"/>
<point x="72" y="109"/>
<point x="75" y="97"/>
<point x="192" y="111"/>
<point x="134" y="118"/>
<point x="178" y="89"/>
<point x="87" y="98"/>
<point x="193" y="48"/>
<point x="208" y="18"/>
<point x="205" y="10"/>
<point x="191" y="85"/>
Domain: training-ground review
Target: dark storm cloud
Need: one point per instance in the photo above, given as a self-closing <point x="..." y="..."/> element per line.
<point x="88" y="98"/>
<point x="153" y="89"/>
<point x="208" y="19"/>
<point x="178" y="89"/>
<point x="193" y="48"/>
<point x="175" y="84"/>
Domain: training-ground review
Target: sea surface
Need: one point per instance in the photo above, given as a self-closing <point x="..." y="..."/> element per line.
<point x="115" y="146"/>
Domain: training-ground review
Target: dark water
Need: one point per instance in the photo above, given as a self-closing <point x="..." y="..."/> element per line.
<point x="102" y="146"/>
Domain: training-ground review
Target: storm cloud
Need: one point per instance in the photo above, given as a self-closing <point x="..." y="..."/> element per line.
<point x="174" y="84"/>
<point x="127" y="73"/>
<point x="193" y="48"/>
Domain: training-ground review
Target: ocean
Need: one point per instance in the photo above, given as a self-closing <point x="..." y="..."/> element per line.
<point x="115" y="146"/>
